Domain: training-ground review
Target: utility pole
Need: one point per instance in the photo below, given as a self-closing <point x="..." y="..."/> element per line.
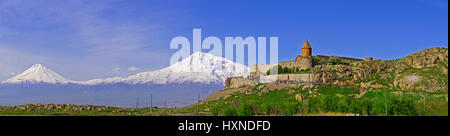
<point x="137" y="102"/>
<point x="385" y="102"/>
<point x="165" y="103"/>
<point x="198" y="98"/>
<point x="424" y="103"/>
<point x="198" y="104"/>
<point x="151" y="102"/>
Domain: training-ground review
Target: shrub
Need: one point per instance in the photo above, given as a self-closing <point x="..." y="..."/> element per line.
<point x="214" y="111"/>
<point x="230" y="111"/>
<point x="317" y="60"/>
<point x="334" y="60"/>
<point x="280" y="102"/>
<point x="290" y="109"/>
<point x="245" y="110"/>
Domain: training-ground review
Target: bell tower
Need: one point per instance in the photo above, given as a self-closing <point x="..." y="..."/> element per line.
<point x="306" y="49"/>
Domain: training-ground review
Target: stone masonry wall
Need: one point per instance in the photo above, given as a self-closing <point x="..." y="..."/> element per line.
<point x="236" y="82"/>
<point x="261" y="69"/>
<point x="241" y="81"/>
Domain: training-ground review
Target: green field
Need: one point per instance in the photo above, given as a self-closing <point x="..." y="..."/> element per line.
<point x="330" y="100"/>
<point x="327" y="100"/>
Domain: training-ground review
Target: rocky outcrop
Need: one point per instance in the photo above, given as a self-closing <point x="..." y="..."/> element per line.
<point x="427" y="58"/>
<point x="57" y="107"/>
<point x="355" y="71"/>
<point x="424" y="70"/>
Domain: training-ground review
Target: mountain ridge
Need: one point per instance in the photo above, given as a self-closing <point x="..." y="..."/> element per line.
<point x="200" y="67"/>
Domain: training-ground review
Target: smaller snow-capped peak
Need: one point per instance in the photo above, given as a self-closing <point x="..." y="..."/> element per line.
<point x="37" y="74"/>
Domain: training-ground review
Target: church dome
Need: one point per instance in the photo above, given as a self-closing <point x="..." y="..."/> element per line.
<point x="306" y="45"/>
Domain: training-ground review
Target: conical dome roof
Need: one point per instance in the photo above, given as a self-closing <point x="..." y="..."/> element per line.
<point x="306" y="45"/>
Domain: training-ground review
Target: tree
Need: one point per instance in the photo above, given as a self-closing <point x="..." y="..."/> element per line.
<point x="286" y="70"/>
<point x="334" y="60"/>
<point x="280" y="69"/>
<point x="317" y="60"/>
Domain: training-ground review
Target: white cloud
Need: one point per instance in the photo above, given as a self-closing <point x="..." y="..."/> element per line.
<point x="132" y="68"/>
<point x="85" y="37"/>
<point x="92" y="32"/>
<point x="116" y="70"/>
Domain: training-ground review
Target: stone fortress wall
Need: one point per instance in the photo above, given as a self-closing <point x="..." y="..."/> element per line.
<point x="236" y="82"/>
<point x="301" y="64"/>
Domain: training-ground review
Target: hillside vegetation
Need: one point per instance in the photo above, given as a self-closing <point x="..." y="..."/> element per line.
<point x="416" y="85"/>
<point x="323" y="100"/>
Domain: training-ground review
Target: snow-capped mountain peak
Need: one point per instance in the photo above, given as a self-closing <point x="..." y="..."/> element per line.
<point x="200" y="67"/>
<point x="37" y="74"/>
<point x="207" y="63"/>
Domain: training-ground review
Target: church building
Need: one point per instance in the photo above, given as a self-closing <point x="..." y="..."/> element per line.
<point x="303" y="61"/>
<point x="306" y="51"/>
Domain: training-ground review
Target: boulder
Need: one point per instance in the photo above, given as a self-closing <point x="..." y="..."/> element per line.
<point x="299" y="97"/>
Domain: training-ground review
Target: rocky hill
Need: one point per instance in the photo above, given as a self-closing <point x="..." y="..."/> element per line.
<point x="425" y="70"/>
<point x="416" y="85"/>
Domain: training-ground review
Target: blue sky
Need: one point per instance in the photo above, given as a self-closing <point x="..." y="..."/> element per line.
<point x="85" y="39"/>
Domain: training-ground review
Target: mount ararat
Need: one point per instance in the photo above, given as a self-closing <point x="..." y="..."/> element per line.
<point x="176" y="85"/>
<point x="200" y="67"/>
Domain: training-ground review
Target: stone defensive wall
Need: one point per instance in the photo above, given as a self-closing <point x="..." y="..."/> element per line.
<point x="342" y="58"/>
<point x="261" y="69"/>
<point x="236" y="82"/>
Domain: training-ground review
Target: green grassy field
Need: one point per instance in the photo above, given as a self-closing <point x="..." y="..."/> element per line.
<point x="329" y="100"/>
<point x="325" y="101"/>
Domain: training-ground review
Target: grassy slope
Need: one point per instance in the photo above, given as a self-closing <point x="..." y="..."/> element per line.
<point x="329" y="100"/>
<point x="108" y="112"/>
